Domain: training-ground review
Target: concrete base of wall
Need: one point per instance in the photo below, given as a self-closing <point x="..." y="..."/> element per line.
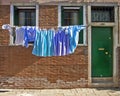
<point x="40" y="83"/>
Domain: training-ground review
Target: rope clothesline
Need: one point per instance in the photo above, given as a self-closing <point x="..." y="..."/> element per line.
<point x="8" y="25"/>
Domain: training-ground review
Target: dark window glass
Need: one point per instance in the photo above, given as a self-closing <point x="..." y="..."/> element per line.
<point x="25" y="17"/>
<point x="71" y="17"/>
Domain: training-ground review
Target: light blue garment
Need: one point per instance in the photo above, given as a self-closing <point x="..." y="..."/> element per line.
<point x="36" y="48"/>
<point x="50" y="35"/>
<point x="74" y="36"/>
<point x="29" y="35"/>
<point x="39" y="43"/>
<point x="43" y="45"/>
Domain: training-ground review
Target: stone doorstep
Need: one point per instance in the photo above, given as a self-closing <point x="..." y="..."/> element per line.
<point x="102" y="82"/>
<point x="102" y="85"/>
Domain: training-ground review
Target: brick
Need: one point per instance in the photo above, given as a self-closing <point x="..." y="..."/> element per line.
<point x="18" y="68"/>
<point x="4" y="19"/>
<point x="48" y="16"/>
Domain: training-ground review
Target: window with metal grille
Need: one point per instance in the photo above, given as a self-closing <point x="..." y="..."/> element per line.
<point x="102" y="14"/>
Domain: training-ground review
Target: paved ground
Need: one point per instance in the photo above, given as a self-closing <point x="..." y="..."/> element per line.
<point x="62" y="92"/>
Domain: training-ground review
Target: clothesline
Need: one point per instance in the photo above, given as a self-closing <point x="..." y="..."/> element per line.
<point x="48" y="42"/>
<point x="6" y="26"/>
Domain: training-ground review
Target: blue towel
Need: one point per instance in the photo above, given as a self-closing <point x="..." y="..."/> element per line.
<point x="43" y="45"/>
<point x="29" y="35"/>
<point x="50" y="35"/>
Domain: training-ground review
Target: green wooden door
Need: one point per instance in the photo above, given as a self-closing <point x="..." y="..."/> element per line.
<point x="102" y="52"/>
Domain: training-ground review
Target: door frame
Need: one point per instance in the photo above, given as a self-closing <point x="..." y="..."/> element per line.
<point x="114" y="25"/>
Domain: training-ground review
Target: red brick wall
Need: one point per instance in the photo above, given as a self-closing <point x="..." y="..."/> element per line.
<point x="48" y="16"/>
<point x="4" y="19"/>
<point x="20" y="69"/>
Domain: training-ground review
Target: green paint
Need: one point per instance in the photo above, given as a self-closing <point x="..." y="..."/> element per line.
<point x="16" y="23"/>
<point x="81" y="22"/>
<point x="102" y="52"/>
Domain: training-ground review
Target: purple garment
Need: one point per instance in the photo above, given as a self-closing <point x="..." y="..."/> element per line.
<point x="29" y="36"/>
<point x="56" y="44"/>
<point x="61" y="43"/>
<point x="67" y="42"/>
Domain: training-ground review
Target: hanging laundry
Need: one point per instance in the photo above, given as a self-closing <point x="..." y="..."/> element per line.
<point x="60" y="43"/>
<point x="8" y="27"/>
<point x="66" y="40"/>
<point x="48" y="42"/>
<point x="74" y="36"/>
<point x="19" y="38"/>
<point x="43" y="45"/>
<point x="50" y="47"/>
<point x="29" y="35"/>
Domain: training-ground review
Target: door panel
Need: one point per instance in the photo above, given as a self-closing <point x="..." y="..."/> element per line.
<point x="102" y="52"/>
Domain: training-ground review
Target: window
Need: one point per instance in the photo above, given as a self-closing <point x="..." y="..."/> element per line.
<point x="102" y="14"/>
<point x="73" y="16"/>
<point x="24" y="16"/>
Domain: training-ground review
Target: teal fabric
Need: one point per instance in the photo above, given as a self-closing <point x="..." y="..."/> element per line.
<point x="43" y="43"/>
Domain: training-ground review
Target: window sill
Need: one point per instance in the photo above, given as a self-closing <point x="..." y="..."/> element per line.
<point x="19" y="45"/>
<point x="102" y="24"/>
<point x="82" y="45"/>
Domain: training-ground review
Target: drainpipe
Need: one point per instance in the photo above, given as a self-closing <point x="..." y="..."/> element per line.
<point x="118" y="24"/>
<point x="117" y="59"/>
